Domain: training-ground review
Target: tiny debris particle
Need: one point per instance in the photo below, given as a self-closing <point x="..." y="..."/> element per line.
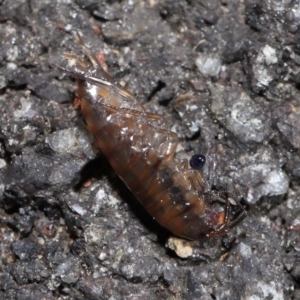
<point x="270" y="55"/>
<point x="102" y="256"/>
<point x="2" y="163"/>
<point x="77" y="209"/>
<point x="245" y="250"/>
<point x="181" y="247"/>
<point x="62" y="141"/>
<point x="208" y="64"/>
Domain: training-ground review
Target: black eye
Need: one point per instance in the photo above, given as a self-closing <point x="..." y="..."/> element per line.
<point x="197" y="161"/>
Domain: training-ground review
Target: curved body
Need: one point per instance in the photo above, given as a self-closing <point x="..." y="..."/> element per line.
<point x="141" y="151"/>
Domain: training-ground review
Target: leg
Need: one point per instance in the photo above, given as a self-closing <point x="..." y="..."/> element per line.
<point x="225" y="223"/>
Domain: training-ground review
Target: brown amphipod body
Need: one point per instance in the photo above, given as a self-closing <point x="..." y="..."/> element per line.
<point x="141" y="151"/>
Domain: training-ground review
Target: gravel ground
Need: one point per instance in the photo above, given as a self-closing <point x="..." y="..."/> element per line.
<point x="226" y="74"/>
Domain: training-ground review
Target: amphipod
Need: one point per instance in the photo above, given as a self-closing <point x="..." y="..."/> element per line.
<point x="141" y="150"/>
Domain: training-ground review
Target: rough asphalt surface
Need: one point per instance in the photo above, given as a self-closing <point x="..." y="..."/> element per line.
<point x="226" y="74"/>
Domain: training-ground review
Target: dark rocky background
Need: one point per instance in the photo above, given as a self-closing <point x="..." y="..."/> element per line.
<point x="226" y="74"/>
